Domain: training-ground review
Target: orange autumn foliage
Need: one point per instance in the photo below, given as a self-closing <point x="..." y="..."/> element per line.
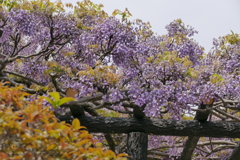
<point x="29" y="130"/>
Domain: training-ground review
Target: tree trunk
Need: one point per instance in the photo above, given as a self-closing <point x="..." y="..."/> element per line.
<point x="235" y="154"/>
<point x="192" y="141"/>
<point x="137" y="144"/>
<point x="189" y="147"/>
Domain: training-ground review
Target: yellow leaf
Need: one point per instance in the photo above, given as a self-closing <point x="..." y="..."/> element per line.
<point x="76" y="124"/>
<point x="122" y="155"/>
<point x="82" y="142"/>
<point x="65" y="100"/>
<point x="110" y="154"/>
<point x="55" y="95"/>
<point x="84" y="134"/>
<point x="17" y="157"/>
<point x="98" y="144"/>
<point x="50" y="147"/>
<point x="187" y="63"/>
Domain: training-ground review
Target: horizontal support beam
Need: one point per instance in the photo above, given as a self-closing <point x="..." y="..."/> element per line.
<point x="162" y="127"/>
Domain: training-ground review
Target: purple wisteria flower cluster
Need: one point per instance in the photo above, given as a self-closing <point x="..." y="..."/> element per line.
<point x="119" y="64"/>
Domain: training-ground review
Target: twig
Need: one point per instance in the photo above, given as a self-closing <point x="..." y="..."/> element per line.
<point x="53" y="79"/>
<point x="228" y="115"/>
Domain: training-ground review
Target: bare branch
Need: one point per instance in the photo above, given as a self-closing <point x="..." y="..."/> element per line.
<point x="226" y="114"/>
<point x="110" y="141"/>
<point x="218" y="115"/>
<point x="27" y="57"/>
<point x="53" y="79"/>
<point x="201" y="144"/>
<point x="158" y="153"/>
<point x="27" y="78"/>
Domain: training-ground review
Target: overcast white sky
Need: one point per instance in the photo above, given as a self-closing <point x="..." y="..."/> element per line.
<point x="212" y="18"/>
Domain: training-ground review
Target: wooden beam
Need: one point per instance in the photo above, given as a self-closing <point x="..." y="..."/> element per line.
<point x="161" y="126"/>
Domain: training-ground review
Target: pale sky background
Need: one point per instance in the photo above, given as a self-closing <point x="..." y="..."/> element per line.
<point x="211" y="18"/>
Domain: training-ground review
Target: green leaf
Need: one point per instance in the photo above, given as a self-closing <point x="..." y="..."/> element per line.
<point x="65" y="100"/>
<point x="55" y="95"/>
<point x="48" y="99"/>
<point x="218" y="76"/>
<point x="215" y="78"/>
<point x="55" y="104"/>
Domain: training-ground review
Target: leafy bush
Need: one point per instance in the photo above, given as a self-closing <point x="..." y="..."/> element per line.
<point x="29" y="130"/>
